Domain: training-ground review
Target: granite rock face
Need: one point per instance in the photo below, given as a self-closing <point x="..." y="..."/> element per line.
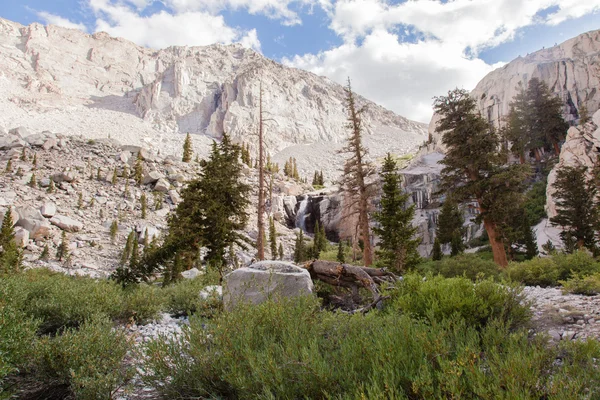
<point x="581" y="148"/>
<point x="66" y="81"/>
<point x="570" y="69"/>
<point x="263" y="281"/>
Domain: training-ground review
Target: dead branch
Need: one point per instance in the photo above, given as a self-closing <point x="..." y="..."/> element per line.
<point x="351" y="277"/>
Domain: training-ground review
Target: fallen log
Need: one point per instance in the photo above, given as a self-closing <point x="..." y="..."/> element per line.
<point x="352" y="277"/>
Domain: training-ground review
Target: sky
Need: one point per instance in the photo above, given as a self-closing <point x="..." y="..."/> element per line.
<point x="399" y="54"/>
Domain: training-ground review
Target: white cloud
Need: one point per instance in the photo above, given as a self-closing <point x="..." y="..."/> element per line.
<point x="163" y="29"/>
<point x="59" y="21"/>
<point x="405" y="75"/>
<point x="573" y="9"/>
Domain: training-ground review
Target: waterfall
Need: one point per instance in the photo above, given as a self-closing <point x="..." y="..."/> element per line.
<point x="300" y="220"/>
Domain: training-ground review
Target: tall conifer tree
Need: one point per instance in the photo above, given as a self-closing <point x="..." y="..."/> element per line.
<point x="576" y="211"/>
<point x="356" y="174"/>
<point x="475" y="167"/>
<point x="398" y="243"/>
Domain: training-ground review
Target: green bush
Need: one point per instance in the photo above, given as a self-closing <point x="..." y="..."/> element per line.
<point x="293" y="350"/>
<point x="61" y="301"/>
<point x="142" y="303"/>
<point x="535" y="272"/>
<point x="548" y="271"/>
<point x="470" y="265"/>
<point x="586" y="285"/>
<point x="183" y="298"/>
<point x="579" y="262"/>
<point x="437" y="298"/>
<point x="17" y="335"/>
<point x="88" y="361"/>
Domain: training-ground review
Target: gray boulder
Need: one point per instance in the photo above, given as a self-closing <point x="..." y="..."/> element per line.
<point x="162" y="185"/>
<point x="37" y="228"/>
<point x="21" y="237"/>
<point x="263" y="281"/>
<point x="66" y="223"/>
<point x="48" y="210"/>
<point x="151" y="177"/>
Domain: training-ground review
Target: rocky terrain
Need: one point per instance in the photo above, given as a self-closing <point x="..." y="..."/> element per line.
<point x="85" y="201"/>
<point x="63" y="80"/>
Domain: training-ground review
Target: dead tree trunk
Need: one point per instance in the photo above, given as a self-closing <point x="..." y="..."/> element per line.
<point x="351" y="277"/>
<point x="260" y="245"/>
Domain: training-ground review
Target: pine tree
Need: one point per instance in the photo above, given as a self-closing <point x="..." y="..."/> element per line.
<point x="450" y="226"/>
<point x="138" y="169"/>
<point x="33" y="181"/>
<point x="62" y="253"/>
<point x="340" y="254"/>
<point x="321" y="180"/>
<point x="115" y="177"/>
<point x="114" y="228"/>
<point x="584" y="116"/>
<point x="295" y="173"/>
<point x="300" y="248"/>
<point x="436" y="255"/>
<point x="273" y="238"/>
<point x="281" y="251"/>
<point x="34" y="161"/>
<point x="45" y="256"/>
<point x="547" y="121"/>
<point x="158" y="201"/>
<point x="50" y="186"/>
<point x="187" y="149"/>
<point x="80" y="200"/>
<point x="456" y="245"/>
<point x="98" y="174"/>
<point x="135" y="254"/>
<point x="356" y="173"/>
<point x="212" y="214"/>
<point x="398" y="244"/>
<point x="576" y="211"/>
<point x="8" y="166"/>
<point x="125" y="172"/>
<point x="126" y="192"/>
<point x="24" y="155"/>
<point x="317" y="241"/>
<point x="474" y="166"/>
<point x="144" y="205"/>
<point x="7" y="234"/>
<point x="10" y="255"/>
<point x="128" y="247"/>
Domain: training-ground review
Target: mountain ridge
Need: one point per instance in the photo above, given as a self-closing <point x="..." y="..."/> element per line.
<point x="204" y="90"/>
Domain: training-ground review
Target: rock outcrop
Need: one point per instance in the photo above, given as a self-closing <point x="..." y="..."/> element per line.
<point x="571" y="70"/>
<point x="263" y="281"/>
<point x="581" y="148"/>
<point x="67" y="81"/>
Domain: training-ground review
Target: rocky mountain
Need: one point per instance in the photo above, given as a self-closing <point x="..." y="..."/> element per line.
<point x="571" y="70"/>
<point x="63" y="80"/>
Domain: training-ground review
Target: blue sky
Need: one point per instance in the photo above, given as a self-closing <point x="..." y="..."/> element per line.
<point x="398" y="53"/>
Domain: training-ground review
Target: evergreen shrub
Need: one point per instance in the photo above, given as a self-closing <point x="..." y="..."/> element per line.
<point x="87" y="362"/>
<point x="471" y="266"/>
<point x="292" y="349"/>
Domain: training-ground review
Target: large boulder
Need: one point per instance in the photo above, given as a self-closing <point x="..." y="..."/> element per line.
<point x="151" y="177"/>
<point x="162" y="185"/>
<point x="48" y="210"/>
<point x="263" y="281"/>
<point x="66" y="223"/>
<point x="37" y="228"/>
<point x="21" y="237"/>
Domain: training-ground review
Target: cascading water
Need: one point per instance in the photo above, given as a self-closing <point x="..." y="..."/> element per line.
<point x="300" y="215"/>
